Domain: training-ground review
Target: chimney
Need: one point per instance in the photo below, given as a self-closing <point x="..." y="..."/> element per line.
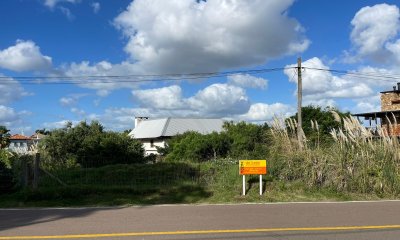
<point x="398" y="86"/>
<point x="138" y="120"/>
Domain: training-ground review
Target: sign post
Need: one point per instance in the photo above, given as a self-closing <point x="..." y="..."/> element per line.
<point x="252" y="167"/>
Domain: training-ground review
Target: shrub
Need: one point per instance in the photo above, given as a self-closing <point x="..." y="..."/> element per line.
<point x="89" y="146"/>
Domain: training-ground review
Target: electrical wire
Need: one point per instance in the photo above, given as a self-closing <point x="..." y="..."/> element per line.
<point x="137" y="78"/>
<point x="115" y="79"/>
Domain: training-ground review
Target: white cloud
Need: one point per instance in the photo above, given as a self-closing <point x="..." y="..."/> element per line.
<point x="78" y="112"/>
<point x="67" y="13"/>
<point x="220" y="99"/>
<point x="71" y="100"/>
<point x="58" y="124"/>
<point x="199" y="36"/>
<point x="371" y="104"/>
<point x="67" y="101"/>
<point x="10" y="90"/>
<point x="214" y="100"/>
<point x="321" y="87"/>
<point x="11" y="118"/>
<point x="103" y="84"/>
<point x="24" y="56"/>
<point x="96" y="7"/>
<point x="52" y="3"/>
<point x="7" y="114"/>
<point x="247" y="81"/>
<point x="160" y="98"/>
<point x="374" y="26"/>
<point x="266" y="112"/>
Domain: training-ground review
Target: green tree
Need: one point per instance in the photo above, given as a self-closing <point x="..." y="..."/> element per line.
<point x="325" y="120"/>
<point x="4" y="137"/>
<point x="237" y="140"/>
<point x="90" y="146"/>
<point x="248" y="140"/>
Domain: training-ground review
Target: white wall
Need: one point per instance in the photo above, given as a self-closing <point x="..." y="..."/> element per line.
<point x="152" y="149"/>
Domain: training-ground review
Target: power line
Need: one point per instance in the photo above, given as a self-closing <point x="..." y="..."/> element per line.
<point x="367" y="75"/>
<point x="114" y="79"/>
<point x="139" y="78"/>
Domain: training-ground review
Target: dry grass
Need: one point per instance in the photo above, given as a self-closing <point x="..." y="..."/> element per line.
<point x="358" y="160"/>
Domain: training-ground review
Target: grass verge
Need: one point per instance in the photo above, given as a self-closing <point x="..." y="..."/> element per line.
<point x="212" y="182"/>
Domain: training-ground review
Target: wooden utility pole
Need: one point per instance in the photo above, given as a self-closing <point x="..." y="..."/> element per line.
<point x="299" y="99"/>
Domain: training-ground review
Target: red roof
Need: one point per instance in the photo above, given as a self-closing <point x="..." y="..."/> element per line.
<point x="19" y="137"/>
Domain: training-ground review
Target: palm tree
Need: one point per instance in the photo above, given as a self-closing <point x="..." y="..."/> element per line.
<point x="4" y="137"/>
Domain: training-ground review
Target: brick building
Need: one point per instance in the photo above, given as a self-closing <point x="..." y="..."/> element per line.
<point x="389" y="116"/>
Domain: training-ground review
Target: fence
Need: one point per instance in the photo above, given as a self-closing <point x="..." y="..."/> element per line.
<point x="35" y="175"/>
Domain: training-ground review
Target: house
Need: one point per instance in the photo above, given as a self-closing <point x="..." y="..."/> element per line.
<point x="21" y="143"/>
<point x="389" y="116"/>
<point x="153" y="133"/>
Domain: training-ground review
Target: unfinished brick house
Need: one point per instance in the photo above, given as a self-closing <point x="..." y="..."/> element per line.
<point x="389" y="116"/>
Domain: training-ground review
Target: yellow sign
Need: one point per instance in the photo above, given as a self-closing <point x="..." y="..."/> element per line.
<point x="252" y="167"/>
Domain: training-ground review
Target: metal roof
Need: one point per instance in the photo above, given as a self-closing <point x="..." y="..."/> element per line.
<point x="168" y="127"/>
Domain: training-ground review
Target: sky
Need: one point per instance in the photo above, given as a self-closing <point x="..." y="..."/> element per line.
<point x="83" y="60"/>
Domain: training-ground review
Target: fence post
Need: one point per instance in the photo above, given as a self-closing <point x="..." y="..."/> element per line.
<point x="36" y="171"/>
<point x="24" y="172"/>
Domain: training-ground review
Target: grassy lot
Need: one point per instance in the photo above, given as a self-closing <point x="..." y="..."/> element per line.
<point x="165" y="183"/>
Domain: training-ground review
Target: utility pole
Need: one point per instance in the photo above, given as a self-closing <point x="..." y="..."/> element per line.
<point x="299" y="99"/>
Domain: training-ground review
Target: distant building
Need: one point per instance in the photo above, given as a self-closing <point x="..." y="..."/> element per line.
<point x="21" y="143"/>
<point x="153" y="133"/>
<point x="389" y="116"/>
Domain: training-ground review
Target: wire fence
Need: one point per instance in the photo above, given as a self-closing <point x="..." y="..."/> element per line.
<point x="121" y="175"/>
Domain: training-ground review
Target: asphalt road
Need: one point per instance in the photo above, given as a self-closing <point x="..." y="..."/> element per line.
<point x="349" y="220"/>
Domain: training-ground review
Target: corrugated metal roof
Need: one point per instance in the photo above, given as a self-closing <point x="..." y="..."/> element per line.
<point x="168" y="127"/>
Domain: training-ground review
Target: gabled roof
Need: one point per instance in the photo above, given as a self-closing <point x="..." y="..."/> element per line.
<point x="19" y="137"/>
<point x="168" y="127"/>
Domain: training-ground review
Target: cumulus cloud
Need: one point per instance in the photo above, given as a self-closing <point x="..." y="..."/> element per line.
<point x="371" y="104"/>
<point x="103" y="84"/>
<point x="321" y="87"/>
<point x="199" y="36"/>
<point x="247" y="81"/>
<point x="214" y="100"/>
<point x="374" y="26"/>
<point x="220" y="99"/>
<point x="11" y="118"/>
<point x="266" y="112"/>
<point x="161" y="98"/>
<point x="24" y="56"/>
<point x="10" y="90"/>
<point x="374" y="33"/>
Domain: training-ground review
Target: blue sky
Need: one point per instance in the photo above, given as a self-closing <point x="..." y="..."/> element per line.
<point x="80" y="38"/>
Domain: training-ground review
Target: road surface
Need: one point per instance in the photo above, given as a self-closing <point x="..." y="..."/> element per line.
<point x="346" y="220"/>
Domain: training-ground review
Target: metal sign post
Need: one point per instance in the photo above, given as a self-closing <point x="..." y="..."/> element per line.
<point x="244" y="185"/>
<point x="252" y="167"/>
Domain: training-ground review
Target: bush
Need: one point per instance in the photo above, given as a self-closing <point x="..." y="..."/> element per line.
<point x="237" y="140"/>
<point x="89" y="146"/>
<point x="6" y="178"/>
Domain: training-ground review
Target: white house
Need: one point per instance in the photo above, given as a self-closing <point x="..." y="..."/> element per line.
<point x="21" y="143"/>
<point x="153" y="133"/>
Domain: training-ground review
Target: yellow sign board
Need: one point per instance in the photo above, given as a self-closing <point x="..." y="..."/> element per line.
<point x="252" y="167"/>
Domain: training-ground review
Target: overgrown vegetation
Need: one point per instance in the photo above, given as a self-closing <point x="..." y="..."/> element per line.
<point x="339" y="160"/>
<point x="237" y="140"/>
<point x="88" y="145"/>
